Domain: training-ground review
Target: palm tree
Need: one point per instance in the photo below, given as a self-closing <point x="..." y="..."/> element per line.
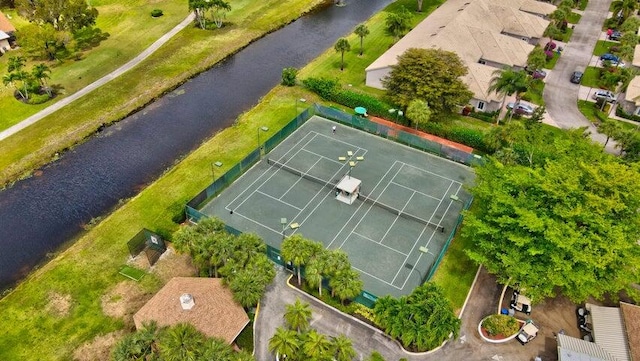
<point x="552" y="32"/>
<point x="298" y="315"/>
<point x="341" y="46"/>
<point x="624" y="8"/>
<point x="343" y="348"/>
<point x="246" y="288"/>
<point x="16" y="63"/>
<point x="346" y="285"/>
<point x="216" y="349"/>
<point x="10" y="81"/>
<point x="361" y="30"/>
<point x="507" y="82"/>
<point x="247" y="246"/>
<point x="609" y="128"/>
<point x="181" y="343"/>
<point x="299" y="251"/>
<point x="222" y="250"/>
<point x="284" y="343"/>
<point x="316" y="345"/>
<point x="41" y="73"/>
<point x="313" y="274"/>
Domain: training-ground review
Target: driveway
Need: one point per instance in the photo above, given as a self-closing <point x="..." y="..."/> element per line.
<point x="551" y="315"/>
<point x="560" y="95"/>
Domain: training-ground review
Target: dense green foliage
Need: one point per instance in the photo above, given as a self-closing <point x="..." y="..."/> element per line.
<point x="421" y="321"/>
<point x="289" y="76"/>
<point x="156" y="13"/>
<point x="181" y="342"/>
<point x="500" y="325"/>
<point x="330" y="89"/>
<point x="397" y="23"/>
<point x="431" y="75"/>
<point x="240" y="260"/>
<point x="556" y="214"/>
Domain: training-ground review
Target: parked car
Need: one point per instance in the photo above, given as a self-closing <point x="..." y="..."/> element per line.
<point x="610" y="57"/>
<point x="576" y="76"/>
<point x="604" y="94"/>
<point x="527" y="333"/>
<point x="520" y="303"/>
<point x="615" y="35"/>
<point x="539" y="74"/>
<point x="522" y="108"/>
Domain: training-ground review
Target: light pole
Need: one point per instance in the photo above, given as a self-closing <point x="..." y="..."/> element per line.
<point x="283" y="222"/>
<point x="301" y="100"/>
<point x="351" y="163"/>
<point x="264" y="129"/>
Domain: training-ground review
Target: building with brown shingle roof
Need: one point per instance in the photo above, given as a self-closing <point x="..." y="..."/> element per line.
<point x="209" y="307"/>
<point x="5" y="25"/>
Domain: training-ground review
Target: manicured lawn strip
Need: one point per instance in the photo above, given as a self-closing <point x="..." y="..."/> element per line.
<point x="567" y="35"/>
<point x="551" y="63"/>
<point x="456" y="271"/>
<point x="602" y="46"/>
<point x="188" y="53"/>
<point x="89" y="268"/>
<point x="131" y="29"/>
<point x="583" y="4"/>
<point x="534" y="94"/>
<point x="591" y="77"/>
<point x="589" y="110"/>
<point x="375" y="44"/>
<point x="573" y="18"/>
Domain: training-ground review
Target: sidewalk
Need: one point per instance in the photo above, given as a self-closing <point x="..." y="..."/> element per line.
<point x="98" y="83"/>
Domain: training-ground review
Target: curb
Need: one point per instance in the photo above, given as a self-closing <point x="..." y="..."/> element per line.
<point x="473" y="284"/>
<point x="255" y="321"/>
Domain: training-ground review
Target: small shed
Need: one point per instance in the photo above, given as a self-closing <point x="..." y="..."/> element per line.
<point x="203" y="302"/>
<point x="348" y="189"/>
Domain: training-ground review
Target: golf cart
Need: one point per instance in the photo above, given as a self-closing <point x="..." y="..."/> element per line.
<point x="520" y="303"/>
<point x="527" y="333"/>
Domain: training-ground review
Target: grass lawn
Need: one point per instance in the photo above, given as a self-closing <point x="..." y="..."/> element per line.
<point x="534" y="94"/>
<point x="602" y="46"/>
<point x="131" y="29"/>
<point x="187" y="54"/>
<point x="591" y="77"/>
<point x="551" y="63"/>
<point x="573" y="18"/>
<point x="567" y="35"/>
<point x="589" y="110"/>
<point x="583" y="4"/>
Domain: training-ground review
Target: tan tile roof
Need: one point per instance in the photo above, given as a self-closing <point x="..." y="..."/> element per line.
<point x="536" y="7"/>
<point x="5" y="25"/>
<point x="631" y="317"/>
<point x="633" y="91"/>
<point x="636" y="56"/>
<point x="215" y="313"/>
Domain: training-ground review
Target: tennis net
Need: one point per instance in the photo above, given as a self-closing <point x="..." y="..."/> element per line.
<point x="400" y="213"/>
<point x="327" y="183"/>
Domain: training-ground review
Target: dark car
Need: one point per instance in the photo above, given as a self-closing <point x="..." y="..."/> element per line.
<point x="609" y="57"/>
<point x="576" y="77"/>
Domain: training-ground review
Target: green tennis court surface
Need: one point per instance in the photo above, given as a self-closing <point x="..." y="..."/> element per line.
<point x="392" y="232"/>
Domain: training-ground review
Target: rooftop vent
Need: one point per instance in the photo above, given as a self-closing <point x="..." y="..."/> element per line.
<point x="186" y="301"/>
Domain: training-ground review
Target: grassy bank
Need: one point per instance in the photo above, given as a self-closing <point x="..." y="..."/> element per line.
<point x="188" y="53"/>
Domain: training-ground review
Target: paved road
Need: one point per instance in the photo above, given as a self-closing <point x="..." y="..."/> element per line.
<point x="482" y="302"/>
<point x="98" y="83"/>
<point x="560" y="95"/>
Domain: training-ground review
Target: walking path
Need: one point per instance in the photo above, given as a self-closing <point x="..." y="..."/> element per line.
<point x="560" y="95"/>
<point x="98" y="83"/>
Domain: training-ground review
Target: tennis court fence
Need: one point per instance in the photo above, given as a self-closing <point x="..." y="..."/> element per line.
<point x="193" y="214"/>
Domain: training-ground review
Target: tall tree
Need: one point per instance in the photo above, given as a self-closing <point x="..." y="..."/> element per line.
<point x="299" y="251"/>
<point x="316" y="346"/>
<point x="200" y="8"/>
<point x="341" y="46"/>
<point x="431" y="75"/>
<point x="16" y="63"/>
<point x="219" y="10"/>
<point x="298" y="315"/>
<point x="284" y="343"/>
<point x="610" y="128"/>
<point x="346" y="284"/>
<point x="10" y="80"/>
<point x="568" y="223"/>
<point x="508" y="82"/>
<point x="41" y="73"/>
<point x="361" y="30"/>
<point x="397" y="23"/>
<point x="419" y="112"/>
<point x="536" y="59"/>
<point x="625" y="8"/>
<point x="552" y="32"/>
<point x="181" y="343"/>
<point x="313" y="273"/>
<point x="342" y="348"/>
<point x="140" y="345"/>
<point x="63" y="15"/>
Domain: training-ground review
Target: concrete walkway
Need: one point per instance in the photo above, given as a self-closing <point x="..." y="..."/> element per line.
<point x="98" y="83"/>
<point x="560" y="95"/>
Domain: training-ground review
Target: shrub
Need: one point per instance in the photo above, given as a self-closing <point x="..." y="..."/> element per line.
<point x="550" y="45"/>
<point x="38" y="98"/>
<point x="329" y="89"/>
<point x="289" y="76"/>
<point x="489" y="117"/>
<point x="365" y="312"/>
<point x="325" y="88"/>
<point x="156" y="13"/>
<point x="501" y="325"/>
<point x="549" y="54"/>
<point x="621" y="113"/>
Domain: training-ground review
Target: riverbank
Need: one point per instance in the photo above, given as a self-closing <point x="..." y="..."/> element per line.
<point x="189" y="53"/>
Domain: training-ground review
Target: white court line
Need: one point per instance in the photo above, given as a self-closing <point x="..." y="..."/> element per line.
<point x="378" y="278"/>
<point x="325" y="197"/>
<point x="301" y="178"/>
<point x="415" y="191"/>
<point x="258" y="223"/>
<point x="370" y="206"/>
<point x="435" y="174"/>
<point x="395" y="220"/>
<point x="382" y="244"/>
<point x="274" y="198"/>
<point x="262" y="175"/>
<point x="323" y="157"/>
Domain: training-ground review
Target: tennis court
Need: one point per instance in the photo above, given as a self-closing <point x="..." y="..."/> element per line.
<point x="402" y="210"/>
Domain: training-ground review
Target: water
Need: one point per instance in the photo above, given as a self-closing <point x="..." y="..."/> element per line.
<point x="39" y="214"/>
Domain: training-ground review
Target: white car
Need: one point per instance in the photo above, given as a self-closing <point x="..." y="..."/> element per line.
<point x="522" y="108"/>
<point x="604" y="94"/>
